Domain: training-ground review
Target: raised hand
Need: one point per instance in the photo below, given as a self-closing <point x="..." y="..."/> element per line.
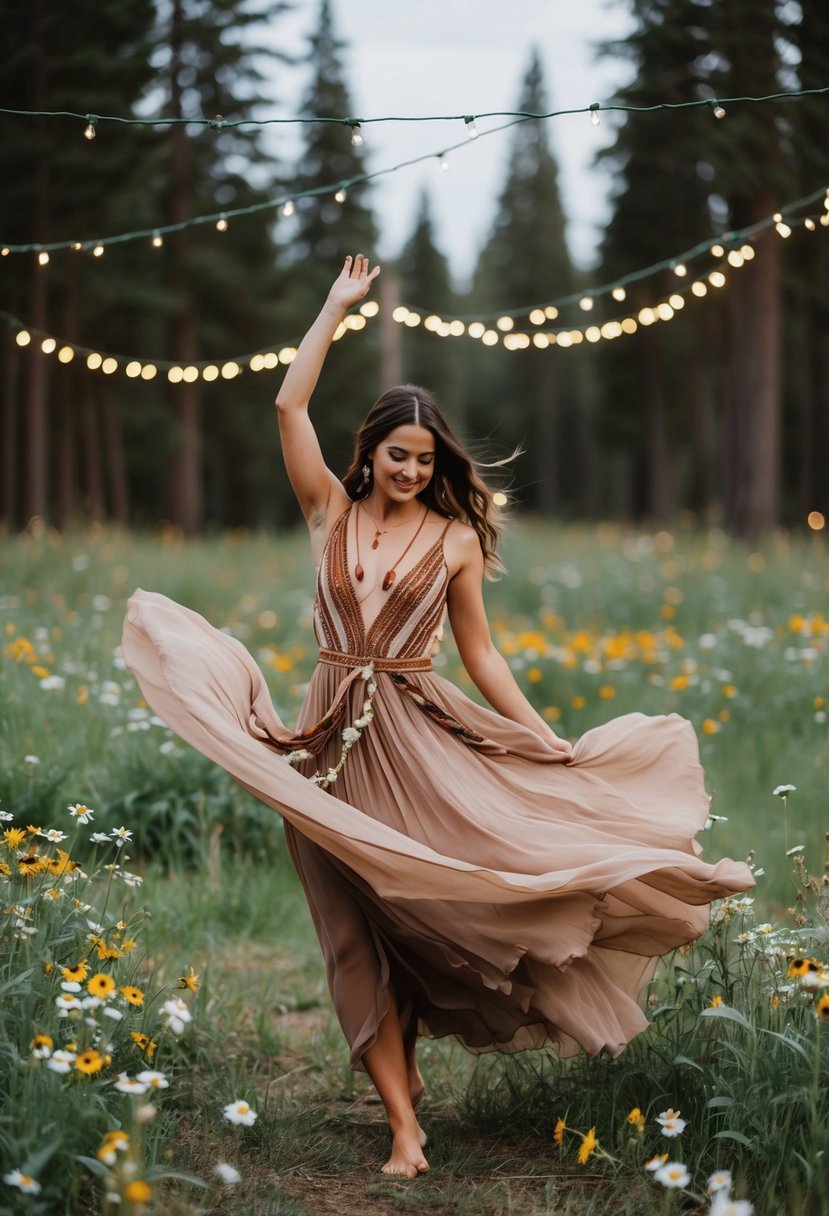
<point x="353" y="283"/>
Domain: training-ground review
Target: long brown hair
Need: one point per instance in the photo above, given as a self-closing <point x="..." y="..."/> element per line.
<point x="456" y="489"/>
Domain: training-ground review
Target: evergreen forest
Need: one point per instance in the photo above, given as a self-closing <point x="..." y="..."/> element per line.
<point x="721" y="417"/>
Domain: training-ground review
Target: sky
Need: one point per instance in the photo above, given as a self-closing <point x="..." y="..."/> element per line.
<point x="417" y="57"/>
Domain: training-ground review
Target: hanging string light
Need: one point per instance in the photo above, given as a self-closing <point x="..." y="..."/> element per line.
<point x="717" y="108"/>
<point x="89" y="131"/>
<point x="594" y="113"/>
<point x="472" y="131"/>
<point x="356" y="135"/>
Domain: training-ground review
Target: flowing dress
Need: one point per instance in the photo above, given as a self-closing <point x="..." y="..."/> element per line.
<point x="508" y="895"/>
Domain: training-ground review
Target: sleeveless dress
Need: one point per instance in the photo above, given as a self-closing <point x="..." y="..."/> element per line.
<point x="508" y="895"/>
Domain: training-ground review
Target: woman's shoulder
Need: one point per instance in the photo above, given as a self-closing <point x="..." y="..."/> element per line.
<point x="461" y="545"/>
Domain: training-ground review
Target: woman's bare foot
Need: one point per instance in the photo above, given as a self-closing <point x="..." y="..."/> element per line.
<point x="407" y="1160"/>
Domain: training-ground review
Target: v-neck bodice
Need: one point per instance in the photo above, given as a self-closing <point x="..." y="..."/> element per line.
<point x="409" y="619"/>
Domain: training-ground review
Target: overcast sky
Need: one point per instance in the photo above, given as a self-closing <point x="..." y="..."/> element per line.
<point x="414" y="57"/>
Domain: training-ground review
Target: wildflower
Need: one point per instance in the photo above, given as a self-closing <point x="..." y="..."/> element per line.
<point x="656" y="1162"/>
<point x="671" y="1123"/>
<point x="177" y="1013"/>
<point x="672" y="1174"/>
<point x="716" y="1001"/>
<point x="42" y="1045"/>
<point x="723" y="1205"/>
<point x="120" y="836"/>
<point x="6" y="816"/>
<point x="133" y="996"/>
<point x="81" y="813"/>
<point x="13" y="838"/>
<point x="100" y="985"/>
<point x="721" y="1181"/>
<point x="710" y="726"/>
<point x="780" y="791"/>
<point x="77" y="973"/>
<point x="607" y="692"/>
<point x="239" y="1112"/>
<point x="577" y="702"/>
<point x="145" y="1113"/>
<point x="5" y="869"/>
<point x="61" y="1061"/>
<point x="113" y="1142"/>
<point x="53" y="835"/>
<point x="66" y="1002"/>
<point x="153" y="1080"/>
<point x="144" y="1043"/>
<point x="636" y="1119"/>
<point x="189" y="980"/>
<point x="89" y="1062"/>
<point x="822" y="1008"/>
<point x="227" y="1174"/>
<point x="129" y="1085"/>
<point x="588" y="1144"/>
<point x="31" y="762"/>
<point x="138" y="1191"/>
<point x="100" y="838"/>
<point x="800" y="967"/>
<point x="27" y="1184"/>
<point x="558" y="1133"/>
<point x="53" y="684"/>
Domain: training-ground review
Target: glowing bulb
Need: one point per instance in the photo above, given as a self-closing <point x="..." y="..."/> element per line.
<point x="48" y="345"/>
<point x="149" y="371"/>
<point x="716" y="278"/>
<point x="594" y="114"/>
<point x="717" y="251"/>
<point x="629" y="325"/>
<point x="646" y="316"/>
<point x="89" y="131"/>
<point x="810" y="224"/>
<point x="157" y="241"/>
<point x="94" y="361"/>
<point x="747" y="251"/>
<point x="98" y="251"/>
<point x="664" y="311"/>
<point x="23" y="338"/>
<point x="5" y="251"/>
<point x="175" y="374"/>
<point x="412" y="320"/>
<point x="618" y="293"/>
<point x="457" y="328"/>
<point x="370" y="308"/>
<point x="211" y="372"/>
<point x="593" y="333"/>
<point x="676" y="302"/>
<point x="537" y="316"/>
<point x="541" y="341"/>
<point x="499" y="499"/>
<point x="230" y="369"/>
<point x="505" y="323"/>
<point x="476" y="329"/>
<point x="341" y="195"/>
<point x="66" y="354"/>
<point x="471" y="130"/>
<point x="699" y="288"/>
<point x="784" y="230"/>
<point x="551" y="312"/>
<point x="356" y="135"/>
<point x="443" y="162"/>
<point x="190" y="374"/>
<point x="680" y="270"/>
<point x="400" y="313"/>
<point x="735" y="258"/>
<point x="816" y="520"/>
<point x="109" y="366"/>
<point x="287" y="355"/>
<point x="489" y="337"/>
<point x="586" y="303"/>
<point x="76" y="245"/>
<point x="133" y="369"/>
<point x="43" y="258"/>
<point x="288" y="209"/>
<point x="221" y="223"/>
<point x="718" y="110"/>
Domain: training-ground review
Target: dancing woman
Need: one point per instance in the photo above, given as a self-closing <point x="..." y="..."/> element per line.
<point x="468" y="872"/>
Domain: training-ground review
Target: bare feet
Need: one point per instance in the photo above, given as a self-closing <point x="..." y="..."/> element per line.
<point x="407" y="1160"/>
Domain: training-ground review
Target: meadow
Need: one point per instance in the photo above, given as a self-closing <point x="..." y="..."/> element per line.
<point x="164" y="1025"/>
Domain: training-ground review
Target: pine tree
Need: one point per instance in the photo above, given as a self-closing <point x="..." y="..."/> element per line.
<point x="425" y="282"/>
<point x="324" y="232"/>
<point x="525" y="260"/>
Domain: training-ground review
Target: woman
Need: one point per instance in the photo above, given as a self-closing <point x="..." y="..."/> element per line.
<point x="473" y="874"/>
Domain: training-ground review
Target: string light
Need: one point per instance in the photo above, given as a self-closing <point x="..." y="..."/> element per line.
<point x="288" y="209"/>
<point x="471" y="130"/>
<point x="618" y="293"/>
<point x="586" y="303"/>
<point x="717" y="108"/>
<point x="341" y="195"/>
<point x="43" y="258"/>
<point x="157" y="241"/>
<point x="89" y="131"/>
<point x="356" y="135"/>
<point x="221" y="223"/>
<point x="443" y="162"/>
<point x="679" y="269"/>
<point x="594" y="113"/>
<point x="816" y="520"/>
<point x="98" y="251"/>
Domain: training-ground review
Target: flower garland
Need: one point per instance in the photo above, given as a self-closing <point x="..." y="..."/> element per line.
<point x="350" y="734"/>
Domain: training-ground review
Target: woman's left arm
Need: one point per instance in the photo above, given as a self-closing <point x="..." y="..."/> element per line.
<point x="486" y="666"/>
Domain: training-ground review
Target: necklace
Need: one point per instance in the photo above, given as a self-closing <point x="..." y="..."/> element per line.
<point x="378" y="532"/>
<point x="390" y="575"/>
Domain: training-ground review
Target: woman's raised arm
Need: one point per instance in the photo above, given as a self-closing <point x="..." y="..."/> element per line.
<point x="312" y="480"/>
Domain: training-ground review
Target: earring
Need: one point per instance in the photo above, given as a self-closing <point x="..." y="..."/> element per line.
<point x="366" y="471"/>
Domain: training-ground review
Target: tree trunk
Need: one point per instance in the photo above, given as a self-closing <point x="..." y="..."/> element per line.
<point x="703" y="422"/>
<point x="186" y="471"/>
<point x="753" y="403"/>
<point x="114" y="447"/>
<point x="391" y="357"/>
<point x="9" y="467"/>
<point x="658" y="479"/>
<point x="67" y="393"/>
<point x="546" y="455"/>
<point x="35" y="416"/>
<point x="92" y="458"/>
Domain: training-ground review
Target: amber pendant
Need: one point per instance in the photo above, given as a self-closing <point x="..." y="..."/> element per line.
<point x="359" y="573"/>
<point x="388" y="579"/>
<point x="376" y="541"/>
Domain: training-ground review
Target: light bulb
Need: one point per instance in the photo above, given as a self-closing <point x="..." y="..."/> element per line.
<point x="356" y="135"/>
<point x="43" y="258"/>
<point x="586" y="303"/>
<point x="594" y="114"/>
<point x="98" y="251"/>
<point x="680" y="270"/>
<point x="618" y="293"/>
<point x="718" y="110"/>
<point x="157" y="241"/>
<point x="341" y="195"/>
<point x="471" y="130"/>
<point x="89" y="131"/>
<point x="221" y="223"/>
<point x="288" y="209"/>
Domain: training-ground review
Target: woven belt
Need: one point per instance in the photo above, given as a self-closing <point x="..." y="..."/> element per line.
<point x="378" y="663"/>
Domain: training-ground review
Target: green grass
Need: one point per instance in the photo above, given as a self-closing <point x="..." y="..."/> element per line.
<point x="594" y="622"/>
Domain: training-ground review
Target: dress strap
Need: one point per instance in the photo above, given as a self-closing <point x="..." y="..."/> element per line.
<point x="422" y="663"/>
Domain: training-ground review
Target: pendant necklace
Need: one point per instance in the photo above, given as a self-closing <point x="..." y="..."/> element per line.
<point x="390" y="575"/>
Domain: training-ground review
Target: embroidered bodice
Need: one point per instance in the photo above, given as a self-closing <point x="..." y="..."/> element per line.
<point x="410" y="618"/>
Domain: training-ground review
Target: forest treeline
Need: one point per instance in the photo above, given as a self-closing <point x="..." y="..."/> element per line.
<point x="721" y="414"/>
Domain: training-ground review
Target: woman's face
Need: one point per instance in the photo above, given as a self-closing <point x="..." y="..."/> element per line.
<point x="404" y="462"/>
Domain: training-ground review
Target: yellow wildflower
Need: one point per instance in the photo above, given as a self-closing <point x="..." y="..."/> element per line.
<point x="144" y="1043"/>
<point x="89" y="1062"/>
<point x="138" y="1191"/>
<point x="77" y="973"/>
<point x="189" y="980"/>
<point x="589" y="1143"/>
<point x="607" y="692"/>
<point x="558" y="1133"/>
<point x="100" y="985"/>
<point x="636" y="1119"/>
<point x="716" y="1001"/>
<point x="822" y="1008"/>
<point x="710" y="726"/>
<point x="134" y="996"/>
<point x="13" y="838"/>
<point x="577" y="702"/>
